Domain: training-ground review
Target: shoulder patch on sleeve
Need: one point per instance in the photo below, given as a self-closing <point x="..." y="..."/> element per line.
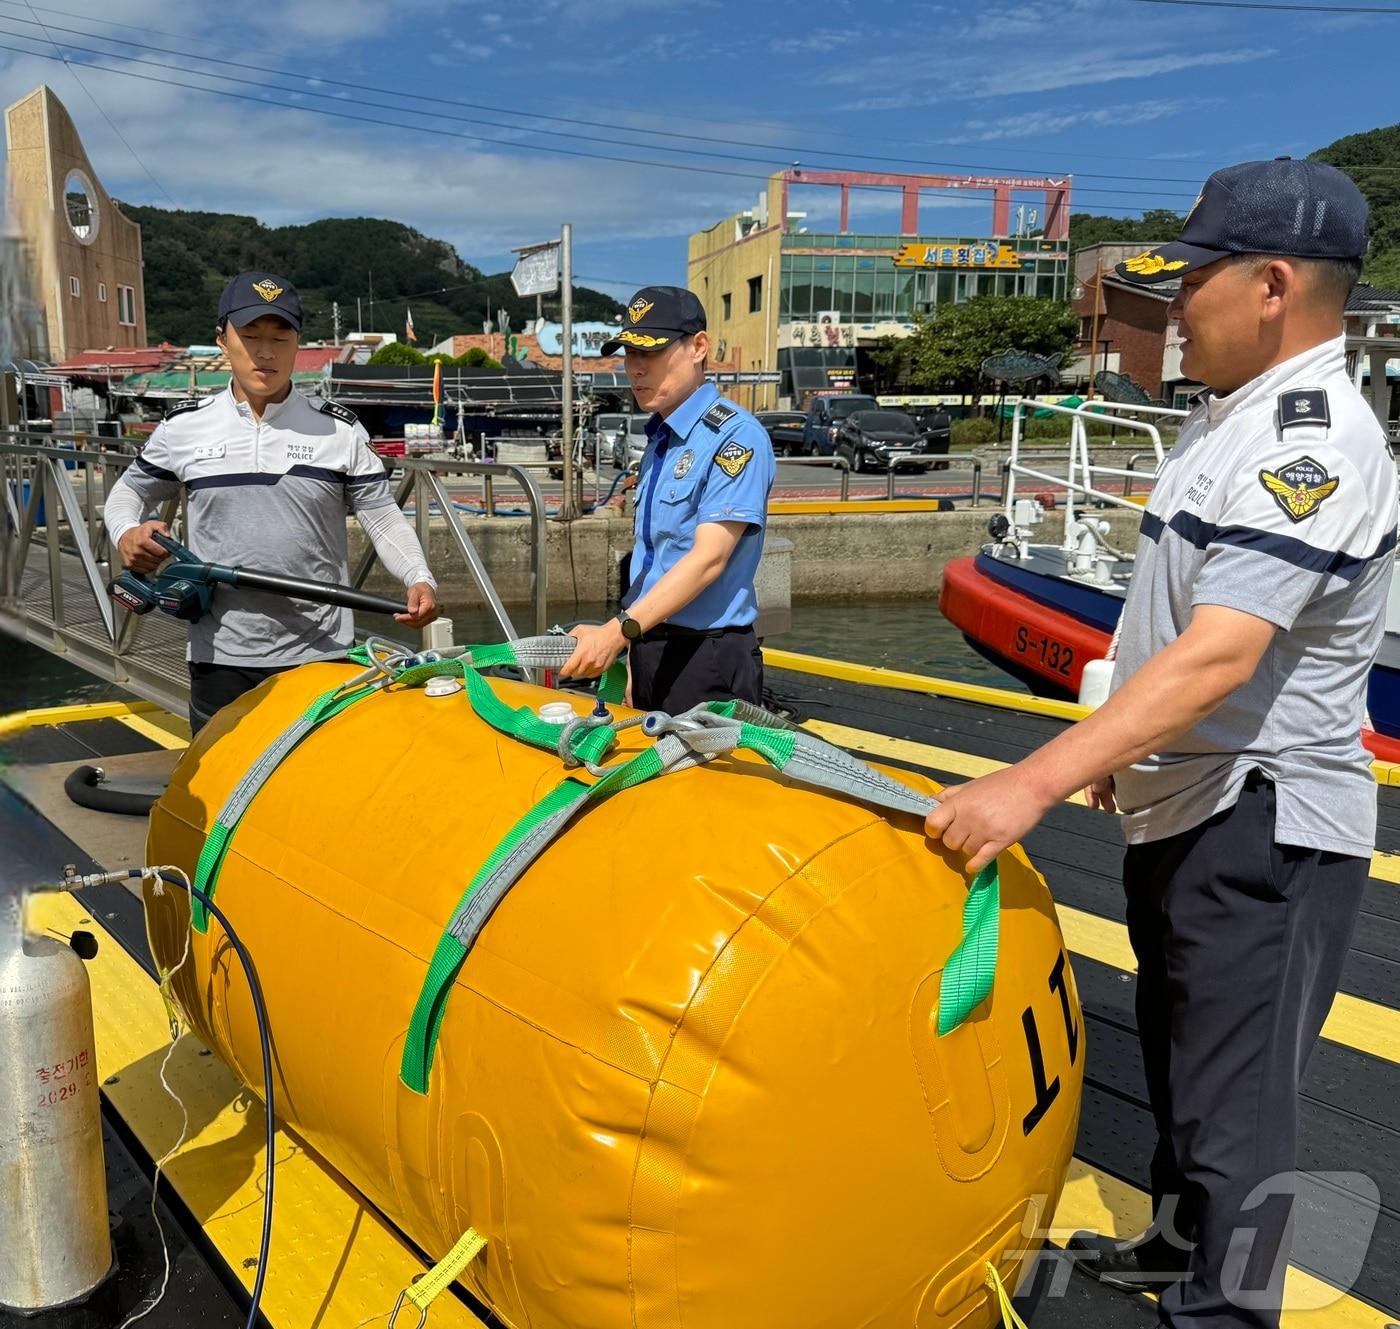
<point x="1303" y="406"/>
<point x="186" y="404"/>
<point x="1301" y="487"/>
<point x="340" y="412"/>
<point x="718" y="414"/>
<point x="732" y="458"/>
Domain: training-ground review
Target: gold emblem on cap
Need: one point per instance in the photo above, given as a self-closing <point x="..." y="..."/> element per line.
<point x="1148" y="264"/>
<point x="639" y="309"/>
<point x="640" y="338"/>
<point x="268" y="289"/>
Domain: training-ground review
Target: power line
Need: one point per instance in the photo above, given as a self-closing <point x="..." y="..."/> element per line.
<point x="1283" y="8"/>
<point x="359" y="88"/>
<point x="69" y="65"/>
<point x="737" y="124"/>
<point x="493" y="142"/>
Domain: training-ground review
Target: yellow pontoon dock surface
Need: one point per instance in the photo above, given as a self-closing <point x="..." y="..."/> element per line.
<point x="336" y="1261"/>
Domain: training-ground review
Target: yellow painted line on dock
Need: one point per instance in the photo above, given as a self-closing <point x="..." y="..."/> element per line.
<point x="162" y="728"/>
<point x="1359" y="1024"/>
<point x="844" y="671"/>
<point x="1102" y="1203"/>
<point x="19" y="721"/>
<point x="334" y="1263"/>
<point x="799" y="507"/>
<point x="873" y="676"/>
<point x="1385" y="866"/>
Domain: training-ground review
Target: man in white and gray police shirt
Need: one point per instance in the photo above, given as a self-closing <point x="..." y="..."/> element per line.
<point x="1230" y="741"/>
<point x="270" y="476"/>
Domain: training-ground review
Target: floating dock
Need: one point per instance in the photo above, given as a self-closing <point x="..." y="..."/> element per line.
<point x="337" y="1264"/>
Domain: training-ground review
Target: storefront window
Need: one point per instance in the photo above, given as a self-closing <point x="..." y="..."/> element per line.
<point x="797" y="293"/>
<point x="863" y="307"/>
<point x="886" y="282"/>
<point x="823" y="292"/>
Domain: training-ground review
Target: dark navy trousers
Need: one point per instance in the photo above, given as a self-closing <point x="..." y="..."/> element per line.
<point x="674" y="669"/>
<point x="1240" y="944"/>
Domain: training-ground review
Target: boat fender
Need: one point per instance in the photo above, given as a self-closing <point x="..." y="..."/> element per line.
<point x="1094" y="683"/>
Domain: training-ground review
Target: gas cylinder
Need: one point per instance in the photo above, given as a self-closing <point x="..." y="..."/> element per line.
<point x="53" y="1187"/>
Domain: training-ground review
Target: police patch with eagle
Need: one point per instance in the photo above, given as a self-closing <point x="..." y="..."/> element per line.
<point x="1300" y="488"/>
<point x="732" y="458"/>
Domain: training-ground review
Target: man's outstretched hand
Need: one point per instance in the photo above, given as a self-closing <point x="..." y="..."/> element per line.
<point x="981" y="819"/>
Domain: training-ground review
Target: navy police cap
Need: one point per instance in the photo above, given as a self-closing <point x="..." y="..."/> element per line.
<point x="250" y="295"/>
<point x="1295" y="209"/>
<point x="657" y="316"/>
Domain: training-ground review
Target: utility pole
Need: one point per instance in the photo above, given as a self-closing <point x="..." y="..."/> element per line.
<point x="371" y="299"/>
<point x="335" y="321"/>
<point x="359" y="317"/>
<point x="569" y="506"/>
<point x="1094" y="326"/>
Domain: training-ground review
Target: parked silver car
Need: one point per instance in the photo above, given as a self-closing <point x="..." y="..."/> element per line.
<point x="630" y="442"/>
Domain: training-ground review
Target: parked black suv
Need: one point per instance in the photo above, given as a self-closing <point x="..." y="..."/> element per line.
<point x="871" y="440"/>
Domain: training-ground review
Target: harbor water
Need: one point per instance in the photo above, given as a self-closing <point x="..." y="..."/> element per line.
<point x="908" y="635"/>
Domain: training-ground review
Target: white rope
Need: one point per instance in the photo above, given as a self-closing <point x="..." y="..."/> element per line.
<point x="158" y="888"/>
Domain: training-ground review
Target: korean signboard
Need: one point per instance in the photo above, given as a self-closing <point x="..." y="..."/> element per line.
<point x="588" y="337"/>
<point x="986" y="254"/>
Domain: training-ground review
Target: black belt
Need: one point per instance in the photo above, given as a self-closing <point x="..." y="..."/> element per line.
<point x="666" y="631"/>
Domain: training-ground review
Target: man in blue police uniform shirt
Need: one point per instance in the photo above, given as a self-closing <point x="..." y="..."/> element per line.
<point x="702" y="501"/>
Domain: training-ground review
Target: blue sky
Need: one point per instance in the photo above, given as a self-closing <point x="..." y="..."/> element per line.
<point x="1137" y="101"/>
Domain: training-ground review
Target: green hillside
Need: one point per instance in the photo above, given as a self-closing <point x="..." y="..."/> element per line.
<point x="190" y="255"/>
<point x="1372" y="159"/>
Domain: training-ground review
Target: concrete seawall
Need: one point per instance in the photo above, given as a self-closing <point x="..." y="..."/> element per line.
<point x="857" y="556"/>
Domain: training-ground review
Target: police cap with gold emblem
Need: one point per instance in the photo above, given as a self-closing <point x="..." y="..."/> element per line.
<point x="251" y="295"/>
<point x="1295" y="209"/>
<point x="655" y="317"/>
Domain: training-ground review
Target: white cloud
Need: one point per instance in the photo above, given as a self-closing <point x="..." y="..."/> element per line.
<point x="285" y="167"/>
<point x="816" y="42"/>
<point x="1047" y="73"/>
<point x="1025" y="124"/>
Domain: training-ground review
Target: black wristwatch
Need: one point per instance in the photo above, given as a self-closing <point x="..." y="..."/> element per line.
<point x="631" y="629"/>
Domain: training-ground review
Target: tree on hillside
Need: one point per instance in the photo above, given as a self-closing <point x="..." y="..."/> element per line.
<point x="398" y="353"/>
<point x="1154" y="226"/>
<point x="1372" y="159"/>
<point x="947" y="350"/>
<point x="190" y="255"/>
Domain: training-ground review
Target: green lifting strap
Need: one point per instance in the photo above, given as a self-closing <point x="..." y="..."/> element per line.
<point x="968" y="975"/>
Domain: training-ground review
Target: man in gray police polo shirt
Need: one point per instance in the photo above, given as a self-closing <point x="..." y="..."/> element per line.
<point x="1230" y="740"/>
<point x="269" y="476"/>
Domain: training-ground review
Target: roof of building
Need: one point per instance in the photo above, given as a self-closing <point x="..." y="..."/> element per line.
<point x="1165" y="290"/>
<point x="530" y="344"/>
<point x="1365" y="298"/>
<point x="119" y="361"/>
<point x="516" y="386"/>
<point x="314" y="359"/>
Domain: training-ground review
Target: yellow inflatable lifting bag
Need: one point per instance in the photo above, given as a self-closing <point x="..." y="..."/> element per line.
<point x="690" y="1073"/>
